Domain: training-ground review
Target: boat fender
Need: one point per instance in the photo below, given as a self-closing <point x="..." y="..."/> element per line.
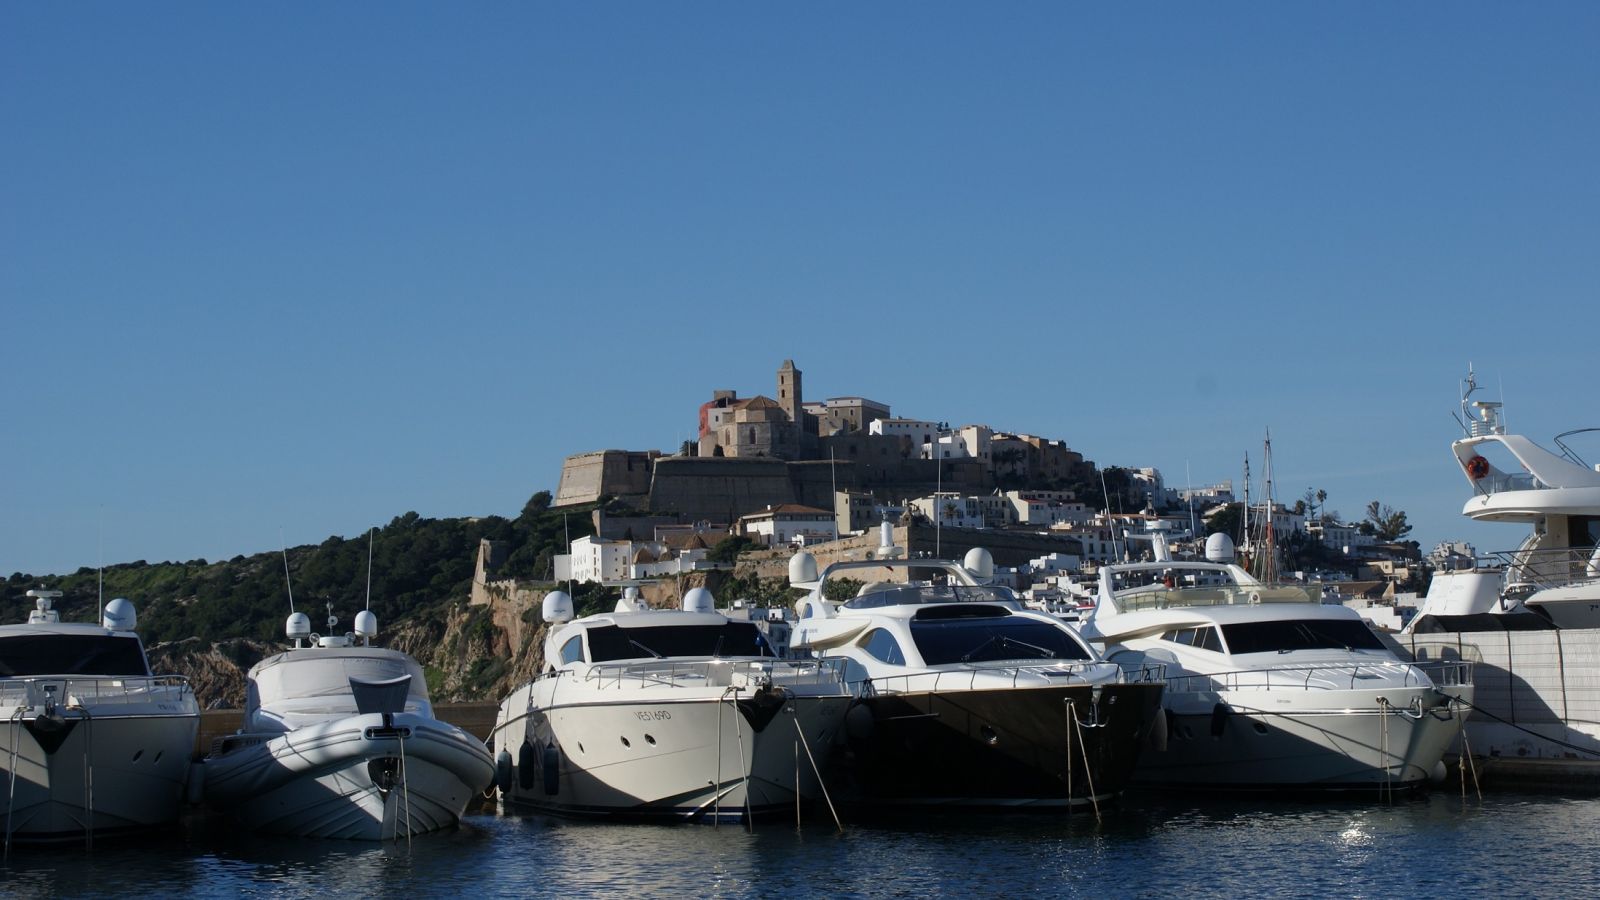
<point x="195" y="786"/>
<point x="1219" y="719"/>
<point x="1160" y="728"/>
<point x="503" y="771"/>
<point x="552" y="770"/>
<point x="1437" y="776"/>
<point x="858" y="722"/>
<point x="526" y="760"/>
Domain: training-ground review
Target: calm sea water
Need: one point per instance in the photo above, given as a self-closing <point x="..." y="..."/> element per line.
<point x="1150" y="845"/>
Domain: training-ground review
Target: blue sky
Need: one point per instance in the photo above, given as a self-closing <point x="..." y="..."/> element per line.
<point x="305" y="267"/>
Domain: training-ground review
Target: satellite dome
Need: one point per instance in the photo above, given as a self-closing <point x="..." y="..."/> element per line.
<point x="699" y="600"/>
<point x="119" y="615"/>
<point x="1219" y="548"/>
<point x="802" y="568"/>
<point x="297" y="626"/>
<point x="557" y="607"/>
<point x="366" y="624"/>
<point x="980" y="563"/>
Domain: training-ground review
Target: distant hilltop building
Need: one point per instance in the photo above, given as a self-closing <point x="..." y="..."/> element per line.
<point x="758" y="452"/>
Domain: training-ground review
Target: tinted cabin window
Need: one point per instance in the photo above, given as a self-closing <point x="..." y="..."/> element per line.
<point x="993" y="638"/>
<point x="612" y="642"/>
<point x="572" y="651"/>
<point x="1208" y="639"/>
<point x="1305" y="634"/>
<point x="880" y="644"/>
<point x="71" y="654"/>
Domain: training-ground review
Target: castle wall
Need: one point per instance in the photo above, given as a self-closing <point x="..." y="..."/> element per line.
<point x="586" y="477"/>
<point x="718" y="489"/>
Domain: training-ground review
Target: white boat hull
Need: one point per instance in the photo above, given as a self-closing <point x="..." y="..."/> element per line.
<point x="105" y="773"/>
<point x="685" y="757"/>
<point x="1314" y="740"/>
<point x="377" y="776"/>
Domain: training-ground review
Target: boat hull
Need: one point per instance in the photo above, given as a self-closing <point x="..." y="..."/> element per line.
<point x="1314" y="740"/>
<point x="80" y="772"/>
<point x="678" y="758"/>
<point x="1005" y="747"/>
<point x="376" y="776"/>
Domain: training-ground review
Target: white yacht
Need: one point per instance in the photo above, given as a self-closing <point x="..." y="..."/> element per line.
<point x="1555" y="573"/>
<point x="1269" y="688"/>
<point x="967" y="698"/>
<point x="91" y="742"/>
<point x="666" y="714"/>
<point x="1530" y="617"/>
<point x="340" y="741"/>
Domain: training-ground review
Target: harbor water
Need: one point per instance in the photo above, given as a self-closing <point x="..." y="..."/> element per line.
<point x="1150" y="845"/>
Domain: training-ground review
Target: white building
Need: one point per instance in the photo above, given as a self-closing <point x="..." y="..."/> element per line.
<point x="596" y="559"/>
<point x="1047" y="508"/>
<point x="920" y="433"/>
<point x="790" y="523"/>
<point x="950" y="510"/>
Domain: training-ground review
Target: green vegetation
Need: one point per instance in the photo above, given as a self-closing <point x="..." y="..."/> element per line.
<point x="419" y="566"/>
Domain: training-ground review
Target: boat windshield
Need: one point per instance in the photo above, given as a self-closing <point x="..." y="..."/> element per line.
<point x="1299" y="634"/>
<point x="613" y="642"/>
<point x="71" y="654"/>
<point x="1159" y="595"/>
<point x="987" y="638"/>
<point x="874" y="596"/>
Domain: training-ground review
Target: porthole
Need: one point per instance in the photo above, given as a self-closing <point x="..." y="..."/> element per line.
<point x="1260" y="728"/>
<point x="137" y="754"/>
<point x="988" y="735"/>
<point x="158" y="756"/>
<point x="649" y="740"/>
<point x="625" y="743"/>
<point x="580" y="746"/>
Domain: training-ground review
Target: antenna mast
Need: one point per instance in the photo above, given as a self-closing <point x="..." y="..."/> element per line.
<point x="286" y="582"/>
<point x="370" y="534"/>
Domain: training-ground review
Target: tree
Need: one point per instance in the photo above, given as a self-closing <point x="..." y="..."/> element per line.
<point x="1387" y="523"/>
<point x="1226" y="520"/>
<point x="536" y="504"/>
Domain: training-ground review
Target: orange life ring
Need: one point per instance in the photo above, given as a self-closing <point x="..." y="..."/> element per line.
<point x="1477" y="467"/>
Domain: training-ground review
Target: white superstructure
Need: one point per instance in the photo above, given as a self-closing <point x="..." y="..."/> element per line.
<point x="1555" y="572"/>
<point x="91" y="741"/>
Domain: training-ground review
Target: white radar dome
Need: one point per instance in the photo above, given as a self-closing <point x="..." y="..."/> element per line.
<point x="980" y="563"/>
<point x="1219" y="548"/>
<point x="297" y="626"/>
<point x="699" y="600"/>
<point x="119" y="615"/>
<point x="366" y="624"/>
<point x="557" y="607"/>
<point x="802" y="568"/>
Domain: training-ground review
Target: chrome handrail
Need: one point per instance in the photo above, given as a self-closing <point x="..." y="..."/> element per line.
<point x="69" y="691"/>
<point x="1325" y="676"/>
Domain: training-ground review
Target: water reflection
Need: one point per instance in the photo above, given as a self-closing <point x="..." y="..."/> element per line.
<point x="1152" y="845"/>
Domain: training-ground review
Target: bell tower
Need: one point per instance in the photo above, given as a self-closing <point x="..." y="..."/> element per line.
<point x="789" y="390"/>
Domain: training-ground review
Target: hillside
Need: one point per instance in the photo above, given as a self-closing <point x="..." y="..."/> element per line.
<point x="213" y="620"/>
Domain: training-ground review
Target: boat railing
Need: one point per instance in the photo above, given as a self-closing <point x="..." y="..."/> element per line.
<point x="1157" y="596"/>
<point x="1551" y="567"/>
<point x="1497" y="482"/>
<point x="69" y="691"/>
<point x="676" y="673"/>
<point x="968" y="677"/>
<point x="1324" y="677"/>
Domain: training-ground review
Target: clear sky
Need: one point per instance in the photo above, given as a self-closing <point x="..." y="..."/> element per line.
<point x="308" y="266"/>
